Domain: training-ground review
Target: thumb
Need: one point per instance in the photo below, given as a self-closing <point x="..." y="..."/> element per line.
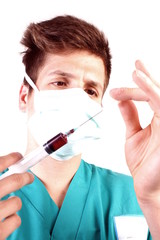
<point x="130" y="116"/>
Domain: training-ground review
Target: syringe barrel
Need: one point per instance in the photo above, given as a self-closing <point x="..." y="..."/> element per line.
<point x="55" y="143"/>
<point x="37" y="155"/>
<point x="26" y="162"/>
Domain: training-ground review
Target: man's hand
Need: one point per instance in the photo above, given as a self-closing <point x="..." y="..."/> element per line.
<point x="9" y="220"/>
<point x="142" y="146"/>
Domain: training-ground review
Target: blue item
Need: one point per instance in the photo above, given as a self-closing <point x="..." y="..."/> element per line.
<point x="95" y="196"/>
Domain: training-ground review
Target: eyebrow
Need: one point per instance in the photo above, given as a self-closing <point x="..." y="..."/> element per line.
<point x="62" y="73"/>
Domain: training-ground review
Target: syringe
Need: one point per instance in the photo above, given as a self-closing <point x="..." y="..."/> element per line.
<point x="38" y="154"/>
<point x="41" y="152"/>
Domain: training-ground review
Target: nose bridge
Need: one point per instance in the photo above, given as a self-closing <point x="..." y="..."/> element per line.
<point x="80" y="83"/>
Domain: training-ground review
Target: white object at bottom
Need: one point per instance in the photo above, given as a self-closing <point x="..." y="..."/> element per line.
<point x="131" y="227"/>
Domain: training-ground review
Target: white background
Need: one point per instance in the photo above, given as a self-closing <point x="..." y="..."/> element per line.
<point x="133" y="30"/>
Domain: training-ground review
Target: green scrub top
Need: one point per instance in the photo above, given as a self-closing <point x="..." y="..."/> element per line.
<point x="95" y="196"/>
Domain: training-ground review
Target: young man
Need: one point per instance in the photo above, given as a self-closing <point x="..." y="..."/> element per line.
<point x="69" y="198"/>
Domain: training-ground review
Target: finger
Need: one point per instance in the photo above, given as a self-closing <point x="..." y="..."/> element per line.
<point x="9" y="225"/>
<point x="125" y="94"/>
<point x="130" y="117"/>
<point x="14" y="182"/>
<point x="9" y="207"/>
<point x="6" y="161"/>
<point x="140" y="66"/>
<point x="150" y="89"/>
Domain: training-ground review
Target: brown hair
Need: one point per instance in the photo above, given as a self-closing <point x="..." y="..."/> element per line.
<point x="63" y="34"/>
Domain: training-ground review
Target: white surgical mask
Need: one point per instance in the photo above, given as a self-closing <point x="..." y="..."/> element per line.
<point x="61" y="110"/>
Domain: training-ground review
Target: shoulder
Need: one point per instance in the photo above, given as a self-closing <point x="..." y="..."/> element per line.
<point x="108" y="176"/>
<point x="114" y="188"/>
<point x="117" y="188"/>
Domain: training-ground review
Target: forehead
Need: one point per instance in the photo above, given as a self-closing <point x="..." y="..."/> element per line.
<point x="79" y="62"/>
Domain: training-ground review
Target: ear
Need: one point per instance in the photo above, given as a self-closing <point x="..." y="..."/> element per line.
<point x="23" y="97"/>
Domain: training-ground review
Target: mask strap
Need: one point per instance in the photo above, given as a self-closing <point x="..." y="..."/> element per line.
<point x="30" y="82"/>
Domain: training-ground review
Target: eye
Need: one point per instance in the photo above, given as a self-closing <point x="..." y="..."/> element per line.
<point x="58" y="84"/>
<point x="91" y="92"/>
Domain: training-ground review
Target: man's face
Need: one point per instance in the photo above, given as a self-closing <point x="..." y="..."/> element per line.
<point x="75" y="70"/>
